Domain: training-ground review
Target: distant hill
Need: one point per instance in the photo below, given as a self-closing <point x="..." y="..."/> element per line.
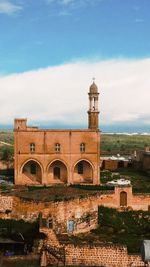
<point x="110" y="128"/>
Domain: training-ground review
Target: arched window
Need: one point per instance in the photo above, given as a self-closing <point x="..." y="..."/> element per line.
<point x="82" y="147"/>
<point x="57" y="147"/>
<point x="32" y="147"/>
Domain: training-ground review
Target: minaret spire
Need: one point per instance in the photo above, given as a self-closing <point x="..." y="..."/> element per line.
<point x="93" y="112"/>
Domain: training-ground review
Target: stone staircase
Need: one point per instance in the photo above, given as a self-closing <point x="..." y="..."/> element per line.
<point x="51" y="238"/>
<point x="52" y="251"/>
<point x="29" y="179"/>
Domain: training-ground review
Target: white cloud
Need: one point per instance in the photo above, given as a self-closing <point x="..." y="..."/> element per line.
<point x="6" y="7"/>
<point x="60" y="94"/>
<point x="73" y="4"/>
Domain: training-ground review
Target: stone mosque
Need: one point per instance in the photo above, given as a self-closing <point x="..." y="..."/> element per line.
<point x="50" y="156"/>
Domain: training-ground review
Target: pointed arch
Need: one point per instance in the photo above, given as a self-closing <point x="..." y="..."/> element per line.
<point x="32" y="171"/>
<point x="31" y="159"/>
<point x="57" y="171"/>
<point x="83" y="171"/>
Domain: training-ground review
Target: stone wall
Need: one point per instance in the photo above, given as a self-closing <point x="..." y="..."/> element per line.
<point x="77" y="215"/>
<point x="141" y="201"/>
<point x="97" y="255"/>
<point x="83" y="212"/>
<point x="6" y="203"/>
<point x="102" y="255"/>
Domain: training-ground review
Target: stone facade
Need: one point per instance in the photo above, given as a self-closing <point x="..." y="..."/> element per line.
<point x="59" y="156"/>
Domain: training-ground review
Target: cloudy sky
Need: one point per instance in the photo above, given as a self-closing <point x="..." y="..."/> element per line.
<point x="51" y="49"/>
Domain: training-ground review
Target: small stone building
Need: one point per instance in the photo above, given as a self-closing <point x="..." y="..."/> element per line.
<point x="49" y="156"/>
<point x="141" y="160"/>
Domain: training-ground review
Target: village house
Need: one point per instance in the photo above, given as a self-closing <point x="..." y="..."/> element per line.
<point x="141" y="160"/>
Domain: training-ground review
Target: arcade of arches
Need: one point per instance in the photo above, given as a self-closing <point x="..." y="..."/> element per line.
<point x="57" y="172"/>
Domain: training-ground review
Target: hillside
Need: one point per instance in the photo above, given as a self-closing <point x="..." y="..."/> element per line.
<point x="7" y="137"/>
<point x="123" y="144"/>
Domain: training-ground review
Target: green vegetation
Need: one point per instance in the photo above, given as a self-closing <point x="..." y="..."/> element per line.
<point x="81" y="187"/>
<point x="6" y="146"/>
<point x="123" y="144"/>
<point x="5" y="187"/>
<point x="11" y="227"/>
<point x="6" y="153"/>
<point x="128" y="227"/>
<point x="55" y="193"/>
<point x="93" y="187"/>
<point x="7" y="136"/>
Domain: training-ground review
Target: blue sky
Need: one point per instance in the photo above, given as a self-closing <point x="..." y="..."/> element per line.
<point x="51" y="49"/>
<point x="40" y="33"/>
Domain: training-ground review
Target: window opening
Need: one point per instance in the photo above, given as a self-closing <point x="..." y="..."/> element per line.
<point x="82" y="147"/>
<point x="57" y="147"/>
<point x="32" y="147"/>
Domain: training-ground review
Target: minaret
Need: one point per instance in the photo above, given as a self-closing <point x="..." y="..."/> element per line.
<point x="93" y="113"/>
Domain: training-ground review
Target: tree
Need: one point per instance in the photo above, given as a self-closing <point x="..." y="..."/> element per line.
<point x="7" y="153"/>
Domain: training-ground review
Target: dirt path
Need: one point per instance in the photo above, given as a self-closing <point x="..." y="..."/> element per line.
<point x="6" y="144"/>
